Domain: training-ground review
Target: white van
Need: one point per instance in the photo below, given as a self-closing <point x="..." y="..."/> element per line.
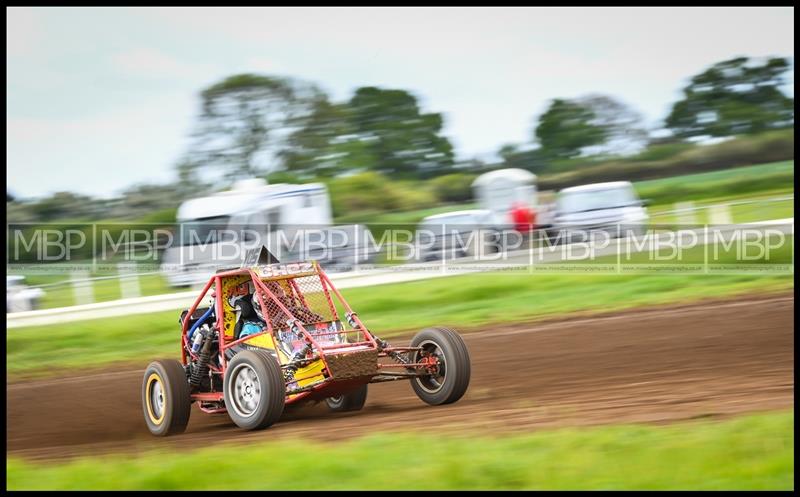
<point x="612" y="207"/>
<point x="293" y="221"/>
<point x="456" y="234"/>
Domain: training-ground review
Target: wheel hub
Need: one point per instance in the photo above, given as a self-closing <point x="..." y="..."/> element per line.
<point x="157" y="399"/>
<point x="432" y="359"/>
<point x="431" y="363"/>
<point x="247" y="391"/>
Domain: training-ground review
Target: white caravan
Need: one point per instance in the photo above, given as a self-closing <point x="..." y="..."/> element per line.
<point x="293" y="221"/>
<point x="498" y="191"/>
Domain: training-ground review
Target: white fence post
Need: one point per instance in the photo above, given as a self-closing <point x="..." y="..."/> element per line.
<point x="719" y="214"/>
<point x="688" y="216"/>
<point x="82" y="287"/>
<point x="128" y="281"/>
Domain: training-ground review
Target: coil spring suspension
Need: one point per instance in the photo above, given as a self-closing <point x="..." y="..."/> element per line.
<point x="295" y="359"/>
<point x="200" y="369"/>
<point x="397" y="356"/>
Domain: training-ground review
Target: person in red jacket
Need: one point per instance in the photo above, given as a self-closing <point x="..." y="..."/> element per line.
<point x="523" y="217"/>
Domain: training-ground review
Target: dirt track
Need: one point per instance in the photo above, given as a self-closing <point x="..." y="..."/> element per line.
<point x="654" y="365"/>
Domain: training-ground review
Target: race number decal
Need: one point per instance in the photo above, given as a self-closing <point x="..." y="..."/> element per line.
<point x="283" y="270"/>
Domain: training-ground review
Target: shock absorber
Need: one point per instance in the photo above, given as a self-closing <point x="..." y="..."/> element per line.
<point x="294" y="358"/>
<point x="397" y="356"/>
<point x="200" y="369"/>
<point x="382" y="344"/>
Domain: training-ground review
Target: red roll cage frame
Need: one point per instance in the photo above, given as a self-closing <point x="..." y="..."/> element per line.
<point x="319" y="350"/>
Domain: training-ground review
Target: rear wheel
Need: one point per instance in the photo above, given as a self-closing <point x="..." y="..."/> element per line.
<point x="255" y="392"/>
<point x="353" y="401"/>
<point x="448" y="366"/>
<point x="165" y="398"/>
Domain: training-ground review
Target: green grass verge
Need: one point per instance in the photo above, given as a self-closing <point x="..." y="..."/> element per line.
<point x="773" y="177"/>
<point x="716" y="177"/>
<point x="751" y="452"/>
<point x="763" y="207"/>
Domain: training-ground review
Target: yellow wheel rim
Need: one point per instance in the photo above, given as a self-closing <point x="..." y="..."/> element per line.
<point x="156" y="398"/>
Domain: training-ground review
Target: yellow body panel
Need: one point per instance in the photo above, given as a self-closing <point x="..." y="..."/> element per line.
<point x="264" y="341"/>
<point x="310" y="374"/>
<point x="307" y="375"/>
<point x="232" y="286"/>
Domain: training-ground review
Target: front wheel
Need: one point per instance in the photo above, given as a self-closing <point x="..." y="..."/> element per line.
<point x="255" y="391"/>
<point x="352" y="401"/>
<point x="165" y="398"/>
<point x="447" y="363"/>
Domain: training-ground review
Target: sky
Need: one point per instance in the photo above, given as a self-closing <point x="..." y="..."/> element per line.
<point x="100" y="99"/>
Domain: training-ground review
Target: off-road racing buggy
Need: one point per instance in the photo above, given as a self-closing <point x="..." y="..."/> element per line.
<point x="303" y="351"/>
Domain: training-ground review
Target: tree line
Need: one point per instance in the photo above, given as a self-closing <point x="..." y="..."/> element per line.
<point x="251" y="124"/>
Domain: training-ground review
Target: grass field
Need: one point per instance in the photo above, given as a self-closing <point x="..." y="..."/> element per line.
<point x="771" y="177"/>
<point x="742" y="208"/>
<point x="763" y="183"/>
<point x="751" y="452"/>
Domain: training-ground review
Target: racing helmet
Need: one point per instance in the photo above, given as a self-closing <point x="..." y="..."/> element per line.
<point x="257" y="307"/>
<point x="243" y="308"/>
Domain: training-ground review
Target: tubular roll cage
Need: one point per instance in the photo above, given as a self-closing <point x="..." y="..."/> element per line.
<point x="318" y="351"/>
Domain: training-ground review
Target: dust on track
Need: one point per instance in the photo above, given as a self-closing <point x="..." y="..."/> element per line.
<point x="661" y="365"/>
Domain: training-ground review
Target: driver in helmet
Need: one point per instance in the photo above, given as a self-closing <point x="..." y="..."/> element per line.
<point x="248" y="321"/>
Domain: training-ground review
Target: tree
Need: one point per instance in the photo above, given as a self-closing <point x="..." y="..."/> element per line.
<point x="370" y="192"/>
<point x="377" y="129"/>
<point x="454" y="187"/>
<point x="516" y="157"/>
<point x="402" y="140"/>
<point x="508" y="151"/>
<point x="142" y="199"/>
<point x="624" y="127"/>
<point x="189" y="181"/>
<point x="736" y="96"/>
<point x="566" y="128"/>
<point x="63" y="205"/>
<point x="327" y="144"/>
<point x="245" y="120"/>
